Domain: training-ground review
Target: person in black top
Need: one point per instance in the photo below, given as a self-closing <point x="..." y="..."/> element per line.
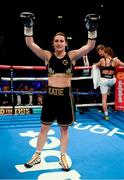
<point x="107" y="65"/>
<point x="5" y="99"/>
<point x="58" y="101"/>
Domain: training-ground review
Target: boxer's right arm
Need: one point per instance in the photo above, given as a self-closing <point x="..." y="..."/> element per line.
<point x="27" y="19"/>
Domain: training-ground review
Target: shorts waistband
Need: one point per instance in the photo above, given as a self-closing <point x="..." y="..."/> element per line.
<point x="109" y="76"/>
<point x="55" y="91"/>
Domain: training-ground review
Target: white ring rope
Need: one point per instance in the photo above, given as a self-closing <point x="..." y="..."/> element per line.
<point x="40" y="106"/>
<point x="39" y="78"/>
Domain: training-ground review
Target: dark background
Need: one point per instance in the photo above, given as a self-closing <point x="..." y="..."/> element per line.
<point x="13" y="50"/>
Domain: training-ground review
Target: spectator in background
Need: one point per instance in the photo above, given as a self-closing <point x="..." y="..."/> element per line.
<point x="5" y="98"/>
<point x="40" y="99"/>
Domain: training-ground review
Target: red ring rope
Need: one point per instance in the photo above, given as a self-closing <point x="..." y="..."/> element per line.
<point x="44" y="67"/>
<point x="38" y="67"/>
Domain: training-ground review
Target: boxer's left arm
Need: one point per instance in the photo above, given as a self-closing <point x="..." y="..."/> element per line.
<point x="91" y="24"/>
<point x="27" y="19"/>
<point x="91" y="21"/>
<point x="118" y="62"/>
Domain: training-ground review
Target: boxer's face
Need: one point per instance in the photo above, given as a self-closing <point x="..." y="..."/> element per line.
<point x="101" y="52"/>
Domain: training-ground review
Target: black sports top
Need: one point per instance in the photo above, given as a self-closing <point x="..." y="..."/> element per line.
<point x="63" y="65"/>
<point x="110" y="67"/>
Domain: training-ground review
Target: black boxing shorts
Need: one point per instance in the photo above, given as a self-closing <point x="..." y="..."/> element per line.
<point x="58" y="104"/>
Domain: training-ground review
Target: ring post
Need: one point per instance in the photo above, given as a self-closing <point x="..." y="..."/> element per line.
<point x="12" y="89"/>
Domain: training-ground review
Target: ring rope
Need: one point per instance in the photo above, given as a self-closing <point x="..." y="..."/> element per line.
<point x="37" y="67"/>
<point x="44" y="92"/>
<point x="44" y="67"/>
<point x="40" y="106"/>
<point x="39" y="78"/>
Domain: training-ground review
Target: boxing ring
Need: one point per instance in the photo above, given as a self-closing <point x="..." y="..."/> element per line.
<point x="13" y="79"/>
<point x="96" y="146"/>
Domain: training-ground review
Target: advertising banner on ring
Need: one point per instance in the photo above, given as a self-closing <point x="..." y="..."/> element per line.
<point x="119" y="89"/>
